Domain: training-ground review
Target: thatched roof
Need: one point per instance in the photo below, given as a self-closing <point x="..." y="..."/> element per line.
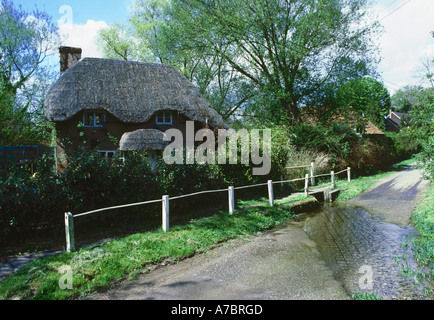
<point x="131" y="91"/>
<point x="372" y="129"/>
<point x="144" y="139"/>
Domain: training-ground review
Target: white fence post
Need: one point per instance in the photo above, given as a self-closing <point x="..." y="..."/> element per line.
<point x="349" y="174"/>
<point x="270" y="192"/>
<point x="69" y="231"/>
<point x="312" y="174"/>
<point x="306" y="184"/>
<point x="231" y="200"/>
<point x="333" y="179"/>
<point x="165" y="207"/>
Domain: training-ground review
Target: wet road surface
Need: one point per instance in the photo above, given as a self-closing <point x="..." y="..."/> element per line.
<point x="329" y="254"/>
<point x="366" y="253"/>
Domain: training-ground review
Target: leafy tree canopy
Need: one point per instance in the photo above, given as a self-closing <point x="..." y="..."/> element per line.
<point x="26" y="40"/>
<point x="368" y="97"/>
<point x="259" y="58"/>
<point x="406" y="98"/>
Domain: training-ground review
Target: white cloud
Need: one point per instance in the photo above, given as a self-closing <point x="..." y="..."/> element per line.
<point x="83" y="36"/>
<point x="407" y="39"/>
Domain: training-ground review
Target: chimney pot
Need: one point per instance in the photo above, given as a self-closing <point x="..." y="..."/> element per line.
<point x="68" y="57"/>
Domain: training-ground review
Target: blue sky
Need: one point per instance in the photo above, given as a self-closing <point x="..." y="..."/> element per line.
<point x="98" y="10"/>
<point x="406" y="40"/>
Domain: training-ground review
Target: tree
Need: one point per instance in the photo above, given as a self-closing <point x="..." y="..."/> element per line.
<point x="423" y="129"/>
<point x="258" y="58"/>
<point x="118" y="42"/>
<point x="26" y="40"/>
<point x="425" y="71"/>
<point x="285" y="51"/>
<point x="368" y="97"/>
<point x="406" y="98"/>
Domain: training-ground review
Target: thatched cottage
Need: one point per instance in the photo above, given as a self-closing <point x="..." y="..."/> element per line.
<point x="112" y="105"/>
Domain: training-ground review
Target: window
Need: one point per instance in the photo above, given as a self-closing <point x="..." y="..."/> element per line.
<point x="94" y="119"/>
<point x="109" y="155"/>
<point x="164" y="117"/>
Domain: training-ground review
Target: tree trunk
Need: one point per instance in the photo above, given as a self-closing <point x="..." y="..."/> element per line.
<point x="291" y="110"/>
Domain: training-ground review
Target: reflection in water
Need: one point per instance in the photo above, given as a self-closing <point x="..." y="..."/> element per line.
<point x="359" y="247"/>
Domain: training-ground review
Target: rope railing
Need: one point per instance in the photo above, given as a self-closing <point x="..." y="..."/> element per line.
<point x="197" y="193"/>
<point x="293" y="180"/>
<point x="116" y="207"/>
<point x="252" y="186"/>
<point x="69" y="217"/>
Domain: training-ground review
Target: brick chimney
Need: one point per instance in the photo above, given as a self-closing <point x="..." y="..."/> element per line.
<point x="68" y="57"/>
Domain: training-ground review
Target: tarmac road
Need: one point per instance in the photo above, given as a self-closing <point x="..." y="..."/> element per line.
<point x="395" y="197"/>
<point x="280" y="264"/>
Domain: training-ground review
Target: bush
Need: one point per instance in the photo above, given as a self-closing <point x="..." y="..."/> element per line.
<point x="334" y="140"/>
<point x="404" y="144"/>
<point x="33" y="202"/>
<point x="344" y="147"/>
<point x="371" y="154"/>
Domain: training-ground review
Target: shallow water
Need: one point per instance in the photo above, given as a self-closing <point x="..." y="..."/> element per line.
<point x="366" y="253"/>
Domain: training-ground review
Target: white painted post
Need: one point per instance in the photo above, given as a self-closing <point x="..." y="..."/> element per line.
<point x="231" y="200"/>
<point x="333" y="179"/>
<point x="69" y="231"/>
<point x="270" y="192"/>
<point x="165" y="207"/>
<point x="306" y="184"/>
<point x="349" y="174"/>
<point x="312" y="173"/>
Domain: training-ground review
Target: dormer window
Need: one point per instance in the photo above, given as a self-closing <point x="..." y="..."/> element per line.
<point x="94" y="119"/>
<point x="164" y="117"/>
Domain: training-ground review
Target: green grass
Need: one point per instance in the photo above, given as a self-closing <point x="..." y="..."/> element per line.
<point x="423" y="220"/>
<point x="100" y="266"/>
<point x="349" y="190"/>
<point x="360" y="184"/>
<point x="363" y="295"/>
<point x="357" y="186"/>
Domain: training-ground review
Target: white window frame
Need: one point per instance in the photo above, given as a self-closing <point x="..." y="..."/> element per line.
<point x="93" y="114"/>
<point x="105" y="153"/>
<point x="166" y="116"/>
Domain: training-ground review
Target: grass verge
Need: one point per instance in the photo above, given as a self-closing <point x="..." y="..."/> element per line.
<point x="100" y="266"/>
<point x="360" y="184"/>
<point x="423" y="246"/>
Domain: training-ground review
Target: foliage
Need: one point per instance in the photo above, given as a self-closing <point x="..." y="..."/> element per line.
<point x="18" y="126"/>
<point x="289" y="50"/>
<point x="335" y="140"/>
<point x="406" y="98"/>
<point x="364" y="295"/>
<point x="97" y="266"/>
<point x="35" y="198"/>
<point x="423" y="219"/>
<point x="422" y="123"/>
<point x="26" y="40"/>
<point x="117" y="42"/>
<point x="367" y="96"/>
<point x="404" y="144"/>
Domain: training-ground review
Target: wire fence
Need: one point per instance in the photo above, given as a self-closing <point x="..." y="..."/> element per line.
<point x="165" y="201"/>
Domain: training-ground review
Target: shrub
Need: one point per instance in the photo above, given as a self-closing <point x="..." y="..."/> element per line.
<point x="335" y="140"/>
<point x="30" y="202"/>
<point x="404" y="144"/>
